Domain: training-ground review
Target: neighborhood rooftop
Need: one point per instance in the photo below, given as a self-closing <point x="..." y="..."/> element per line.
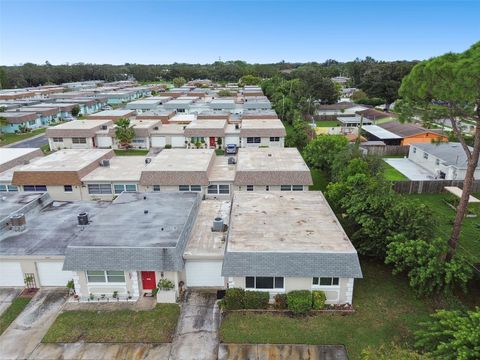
<point x="450" y="154"/>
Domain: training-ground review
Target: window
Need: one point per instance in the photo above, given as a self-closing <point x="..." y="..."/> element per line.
<point x="196" y="188"/>
<point x="31" y="122"/>
<point x="57" y="139"/>
<point x="183" y="188"/>
<point x="130" y="188"/>
<point x="325" y="281"/>
<point x="79" y="140"/>
<point x="212" y="189"/>
<point x="249" y="187"/>
<point x="108" y="276"/>
<point x="67" y="188"/>
<point x="253" y="140"/>
<point x="414" y="150"/>
<point x="267" y="187"/>
<point x="285" y="187"/>
<point x="297" y="187"/>
<point x="181" y="110"/>
<point x="34" y="188"/>
<point x="119" y="188"/>
<point x="263" y="282"/>
<point x="425" y="155"/>
<point x="437" y="162"/>
<point x="138" y="141"/>
<point x="156" y="188"/>
<point x="99" y="189"/>
<point x="12" y="188"/>
<point x="3" y="188"/>
<point x="218" y="189"/>
<point x="274" y="139"/>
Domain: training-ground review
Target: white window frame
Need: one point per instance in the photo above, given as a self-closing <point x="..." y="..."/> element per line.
<point x="274" y="139"/>
<point x="274" y="289"/>
<point x="65" y="188"/>
<point x="285" y="187"/>
<point x="79" y="140"/>
<point x="57" y="139"/>
<point x="250" y="188"/>
<point x="105" y="278"/>
<point x="35" y="188"/>
<point x="99" y="187"/>
<point x="254" y="140"/>
<point x="332" y="286"/>
<point x="297" y="187"/>
<point x="124" y="188"/>
<point x="157" y="188"/>
<point x="190" y="188"/>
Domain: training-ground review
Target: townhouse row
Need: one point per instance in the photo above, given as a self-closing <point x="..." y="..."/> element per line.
<point x="97" y="174"/>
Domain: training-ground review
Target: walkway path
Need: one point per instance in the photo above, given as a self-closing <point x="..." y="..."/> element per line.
<point x="196" y="337"/>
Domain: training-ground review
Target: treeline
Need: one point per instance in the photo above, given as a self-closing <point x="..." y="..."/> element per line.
<point x="377" y="78"/>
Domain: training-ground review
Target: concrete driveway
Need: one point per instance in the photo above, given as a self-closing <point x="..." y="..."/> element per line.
<point x="409" y="169"/>
<point x="28" y="329"/>
<point x="196" y="337"/>
<point x="6" y="297"/>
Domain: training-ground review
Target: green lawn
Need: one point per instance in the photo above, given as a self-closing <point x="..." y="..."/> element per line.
<point x="17" y="306"/>
<point x="150" y="326"/>
<point x="131" y="152"/>
<point x="386" y="311"/>
<point x="393" y="174"/>
<point x="470" y="235"/>
<point x="320" y="180"/>
<point x="11" y="138"/>
<point x="331" y="123"/>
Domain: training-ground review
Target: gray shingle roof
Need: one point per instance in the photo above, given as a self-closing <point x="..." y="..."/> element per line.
<point x="451" y="154"/>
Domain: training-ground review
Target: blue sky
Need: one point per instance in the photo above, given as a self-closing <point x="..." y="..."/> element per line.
<point x="255" y="31"/>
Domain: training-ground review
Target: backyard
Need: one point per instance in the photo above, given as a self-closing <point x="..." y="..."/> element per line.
<point x="386" y="310"/>
<point x="326" y="123"/>
<point x="6" y="139"/>
<point x="121" y="326"/>
<point x="393" y="174"/>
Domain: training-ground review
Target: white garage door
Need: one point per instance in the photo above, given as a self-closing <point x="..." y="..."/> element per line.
<point x="232" y="140"/>
<point x="178" y="141"/>
<point x="11" y="274"/>
<point x="104" y="141"/>
<point x="158" y="141"/>
<point x="204" y="273"/>
<point x="51" y="274"/>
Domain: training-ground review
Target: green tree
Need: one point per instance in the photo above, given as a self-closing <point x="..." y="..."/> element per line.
<point x="451" y="335"/>
<point x="250" y="80"/>
<point x="357" y="95"/>
<point x="298" y="137"/>
<point x="320" y="153"/>
<point x="392" y="352"/>
<point x="124" y="133"/>
<point x="179" y="81"/>
<point x="75" y="110"/>
<point x="448" y="86"/>
<point x="224" y="93"/>
<point x="424" y="263"/>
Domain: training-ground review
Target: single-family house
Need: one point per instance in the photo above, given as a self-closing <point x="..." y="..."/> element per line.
<point x="17" y="120"/>
<point x="396" y="133"/>
<point x="256" y="132"/>
<point x="80" y="134"/>
<point x="113" y="115"/>
<point x="208" y="134"/>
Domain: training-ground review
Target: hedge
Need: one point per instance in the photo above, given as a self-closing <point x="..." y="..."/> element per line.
<point x="234" y="299"/>
<point x="280" y="301"/>
<point x="256" y="299"/>
<point x="318" y="299"/>
<point x="299" y="301"/>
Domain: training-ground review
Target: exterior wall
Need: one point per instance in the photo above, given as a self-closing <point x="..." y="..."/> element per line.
<point x="422" y="138"/>
<point x="220" y="196"/>
<point x="58" y="193"/>
<point x="264" y="142"/>
<point x="68" y="144"/>
<point x="340" y="294"/>
<point x="206" y="143"/>
<point x="259" y="188"/>
<point x="84" y="289"/>
<point x="104" y="197"/>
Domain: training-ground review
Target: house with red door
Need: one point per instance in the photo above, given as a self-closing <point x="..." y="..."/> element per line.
<point x="206" y="134"/>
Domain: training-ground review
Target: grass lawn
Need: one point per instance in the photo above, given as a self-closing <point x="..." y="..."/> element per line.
<point x="11" y="138"/>
<point x="331" y="123"/>
<point x="393" y="174"/>
<point x="320" y="180"/>
<point x="130" y="152"/>
<point x="386" y="311"/>
<point x="152" y="326"/>
<point x="17" y="306"/>
<point x="470" y="235"/>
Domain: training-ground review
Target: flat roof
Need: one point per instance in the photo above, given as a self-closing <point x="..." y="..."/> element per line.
<point x="82" y="124"/>
<point x="121" y="168"/>
<point x="207" y="124"/>
<point x="169" y="129"/>
<point x="379" y="132"/>
<point x="66" y="160"/>
<point x="144" y="102"/>
<point x="262" y="124"/>
<point x="183" y="118"/>
<point x="11" y="202"/>
<point x="182" y="160"/>
<point x="205" y="243"/>
<point x="221" y="170"/>
<point x="179" y="102"/>
<point x="10" y="154"/>
<point x="118" y="112"/>
<point x="285" y="222"/>
<point x="270" y="159"/>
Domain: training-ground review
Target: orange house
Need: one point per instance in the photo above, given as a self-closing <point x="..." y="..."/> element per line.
<point x="411" y="133"/>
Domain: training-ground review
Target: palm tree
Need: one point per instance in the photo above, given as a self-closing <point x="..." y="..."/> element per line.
<point x="124" y="133"/>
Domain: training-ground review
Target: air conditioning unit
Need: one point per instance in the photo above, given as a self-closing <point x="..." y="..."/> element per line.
<point x="105" y="162"/>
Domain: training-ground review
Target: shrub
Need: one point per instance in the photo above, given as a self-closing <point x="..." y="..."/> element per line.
<point x="299" y="301"/>
<point x="165" y="284"/>
<point x="256" y="299"/>
<point x="318" y="299"/>
<point x="280" y="301"/>
<point x="168" y="146"/>
<point x="234" y="299"/>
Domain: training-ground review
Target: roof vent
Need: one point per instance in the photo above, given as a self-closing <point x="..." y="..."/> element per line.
<point x="18" y="222"/>
<point x="82" y="219"/>
<point x="105" y="162"/>
<point x="148" y="161"/>
<point x="217" y="224"/>
<point x="145" y="211"/>
<point x="270" y="155"/>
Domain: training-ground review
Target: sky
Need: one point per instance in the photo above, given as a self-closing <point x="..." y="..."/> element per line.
<point x="163" y="32"/>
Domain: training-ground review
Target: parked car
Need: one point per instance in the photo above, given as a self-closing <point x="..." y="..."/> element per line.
<point x="231" y="149"/>
<point x="107" y="107"/>
<point x="69" y="118"/>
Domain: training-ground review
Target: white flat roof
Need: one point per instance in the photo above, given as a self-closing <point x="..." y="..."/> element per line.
<point x="270" y="159"/>
<point x="82" y="124"/>
<point x="182" y="160"/>
<point x="380" y="132"/>
<point x="9" y="154"/>
<point x="121" y="168"/>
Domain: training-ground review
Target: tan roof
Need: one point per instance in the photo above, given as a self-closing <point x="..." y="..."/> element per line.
<point x="169" y="129"/>
<point x="206" y="128"/>
<point x="221" y="170"/>
<point x="271" y="166"/>
<point x="10" y="157"/>
<point x="285" y="222"/>
<point x="262" y="128"/>
<point x="121" y="168"/>
<point x="179" y="167"/>
<point x="78" y="128"/>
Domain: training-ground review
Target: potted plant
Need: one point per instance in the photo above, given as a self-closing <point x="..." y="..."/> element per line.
<point x="166" y="291"/>
<point x="115" y="295"/>
<point x="71" y="287"/>
<point x="91" y="297"/>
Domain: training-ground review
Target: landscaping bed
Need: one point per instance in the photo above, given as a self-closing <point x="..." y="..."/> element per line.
<point x="131" y="152"/>
<point x="118" y="326"/>
<point x="386" y="310"/>
<point x="17" y="306"/>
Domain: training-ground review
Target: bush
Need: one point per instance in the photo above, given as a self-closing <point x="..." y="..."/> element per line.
<point x="256" y="299"/>
<point x="168" y="146"/>
<point x="234" y="299"/>
<point x="318" y="299"/>
<point x="299" y="301"/>
<point x="280" y="301"/>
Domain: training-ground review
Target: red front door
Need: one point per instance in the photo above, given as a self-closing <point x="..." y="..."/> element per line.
<point x="212" y="142"/>
<point x="148" y="280"/>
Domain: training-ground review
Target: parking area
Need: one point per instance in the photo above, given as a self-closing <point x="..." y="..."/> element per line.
<point x="409" y="168"/>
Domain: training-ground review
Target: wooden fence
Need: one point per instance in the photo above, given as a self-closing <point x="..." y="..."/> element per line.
<point x="429" y="186"/>
<point x="388" y="150"/>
